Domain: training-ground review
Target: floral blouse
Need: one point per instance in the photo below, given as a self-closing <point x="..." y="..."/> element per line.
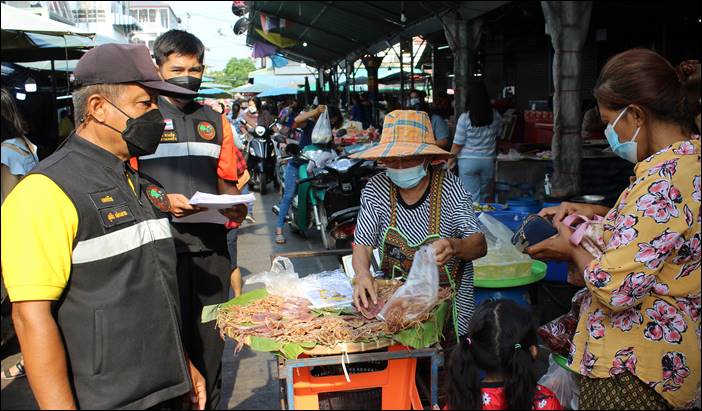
<point x="644" y="312"/>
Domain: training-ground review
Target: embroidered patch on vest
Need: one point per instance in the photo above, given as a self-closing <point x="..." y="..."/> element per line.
<point x="116" y="215"/>
<point x="169" y="124"/>
<point x="206" y="130"/>
<point x="169" y="137"/>
<point x="106" y="199"/>
<point x="158" y="197"/>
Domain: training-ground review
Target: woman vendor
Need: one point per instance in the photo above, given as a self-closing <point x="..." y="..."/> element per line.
<point x="413" y="204"/>
<point x="637" y="344"/>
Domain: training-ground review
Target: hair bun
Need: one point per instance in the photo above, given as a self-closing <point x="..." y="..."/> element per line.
<point x="688" y="70"/>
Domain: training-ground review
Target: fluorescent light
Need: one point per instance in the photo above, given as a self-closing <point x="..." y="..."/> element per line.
<point x="20" y="96"/>
<point x="442" y="47"/>
<point x="304" y="44"/>
<point x="450" y="92"/>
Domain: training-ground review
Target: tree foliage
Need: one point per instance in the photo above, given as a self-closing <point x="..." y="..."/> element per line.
<point x="235" y="73"/>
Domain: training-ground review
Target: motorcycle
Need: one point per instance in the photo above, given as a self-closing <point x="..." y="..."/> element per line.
<point x="261" y="157"/>
<point x="328" y="195"/>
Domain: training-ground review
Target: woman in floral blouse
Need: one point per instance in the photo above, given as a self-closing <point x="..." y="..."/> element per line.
<point x="637" y="344"/>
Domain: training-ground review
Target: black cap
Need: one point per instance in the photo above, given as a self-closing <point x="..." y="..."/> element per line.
<point x="122" y="63"/>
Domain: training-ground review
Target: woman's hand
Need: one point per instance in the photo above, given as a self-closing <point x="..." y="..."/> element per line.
<point x="556" y="248"/>
<point x="364" y="285"/>
<point x="444" y="251"/>
<point x="557" y="214"/>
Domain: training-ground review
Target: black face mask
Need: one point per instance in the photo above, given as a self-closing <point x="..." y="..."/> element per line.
<point x="142" y="134"/>
<point x="189" y="82"/>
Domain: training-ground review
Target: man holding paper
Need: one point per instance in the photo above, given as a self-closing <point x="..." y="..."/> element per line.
<point x="196" y="154"/>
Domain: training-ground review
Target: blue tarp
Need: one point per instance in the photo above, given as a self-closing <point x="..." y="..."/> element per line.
<point x="279" y="91"/>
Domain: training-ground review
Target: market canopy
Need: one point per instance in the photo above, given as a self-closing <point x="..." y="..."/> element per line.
<point x="27" y="37"/>
<point x="253" y="88"/>
<point x="338" y="30"/>
<point x="214" y="92"/>
<point x="280" y="91"/>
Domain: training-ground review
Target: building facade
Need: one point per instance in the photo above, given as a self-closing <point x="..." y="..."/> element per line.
<point x="155" y="18"/>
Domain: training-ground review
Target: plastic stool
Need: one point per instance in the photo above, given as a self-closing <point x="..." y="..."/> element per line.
<point x="396" y="381"/>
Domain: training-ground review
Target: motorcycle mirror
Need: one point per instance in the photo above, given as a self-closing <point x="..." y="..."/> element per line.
<point x="260" y="131"/>
<point x="242" y="121"/>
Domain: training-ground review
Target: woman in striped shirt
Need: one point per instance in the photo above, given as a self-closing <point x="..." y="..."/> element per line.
<point x="411" y="205"/>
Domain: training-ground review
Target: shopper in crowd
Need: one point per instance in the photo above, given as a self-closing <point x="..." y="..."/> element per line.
<point x="475" y="142"/>
<point x="357" y="113"/>
<point x="19" y="157"/>
<point x="306" y="121"/>
<point x="253" y="108"/>
<point x="66" y="125"/>
<point x="439" y="112"/>
<point x="637" y="343"/>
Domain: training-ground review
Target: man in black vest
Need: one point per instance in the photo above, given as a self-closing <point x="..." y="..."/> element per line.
<point x="196" y="153"/>
<point x="90" y="267"/>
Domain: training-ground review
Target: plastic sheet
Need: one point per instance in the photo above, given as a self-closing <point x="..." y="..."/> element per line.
<point x="503" y="259"/>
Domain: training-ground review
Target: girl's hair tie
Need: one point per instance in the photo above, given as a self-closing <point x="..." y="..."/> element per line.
<point x="517" y="346"/>
<point x="470" y="342"/>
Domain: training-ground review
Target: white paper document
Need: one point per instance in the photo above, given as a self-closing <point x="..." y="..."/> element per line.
<point x="213" y="203"/>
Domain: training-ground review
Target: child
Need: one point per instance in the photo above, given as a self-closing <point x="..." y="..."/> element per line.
<point x="501" y="345"/>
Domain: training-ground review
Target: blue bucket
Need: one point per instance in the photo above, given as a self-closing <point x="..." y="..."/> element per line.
<point x="517" y="294"/>
<point x="557" y="272"/>
<point x="551" y="204"/>
<point x="512" y="219"/>
<point x="527" y="205"/>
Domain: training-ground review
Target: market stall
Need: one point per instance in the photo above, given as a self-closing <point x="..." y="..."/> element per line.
<point x="310" y="322"/>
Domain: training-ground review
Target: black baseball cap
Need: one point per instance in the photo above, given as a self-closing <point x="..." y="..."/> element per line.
<point x="114" y="63"/>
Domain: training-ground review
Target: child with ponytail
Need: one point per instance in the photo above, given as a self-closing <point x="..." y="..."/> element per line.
<point x="501" y="345"/>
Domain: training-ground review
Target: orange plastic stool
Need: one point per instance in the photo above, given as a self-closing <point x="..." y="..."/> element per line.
<point x="397" y="383"/>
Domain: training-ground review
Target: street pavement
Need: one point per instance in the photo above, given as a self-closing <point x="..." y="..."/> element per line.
<point x="249" y="378"/>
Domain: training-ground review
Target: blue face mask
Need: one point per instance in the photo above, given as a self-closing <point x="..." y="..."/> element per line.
<point x="626" y="150"/>
<point x="407" y="177"/>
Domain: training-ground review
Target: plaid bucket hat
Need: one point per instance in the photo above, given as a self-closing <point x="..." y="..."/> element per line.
<point x="406" y="133"/>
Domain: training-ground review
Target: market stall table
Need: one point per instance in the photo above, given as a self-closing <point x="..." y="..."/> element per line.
<point x="306" y="344"/>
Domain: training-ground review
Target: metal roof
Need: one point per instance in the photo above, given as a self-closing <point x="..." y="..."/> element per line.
<point x="335" y="30"/>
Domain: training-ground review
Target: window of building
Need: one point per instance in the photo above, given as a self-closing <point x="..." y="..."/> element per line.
<point x="143" y="15"/>
<point x="152" y="16"/>
<point x="134" y="13"/>
<point x="164" y="18"/>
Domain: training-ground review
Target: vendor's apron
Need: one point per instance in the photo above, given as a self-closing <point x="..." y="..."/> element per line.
<point x="397" y="254"/>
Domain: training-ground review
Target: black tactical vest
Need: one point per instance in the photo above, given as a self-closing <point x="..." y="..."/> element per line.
<point x="119" y="314"/>
<point x="185" y="162"/>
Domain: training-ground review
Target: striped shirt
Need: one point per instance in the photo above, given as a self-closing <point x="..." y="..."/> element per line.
<point x="457" y="221"/>
<point x="477" y="142"/>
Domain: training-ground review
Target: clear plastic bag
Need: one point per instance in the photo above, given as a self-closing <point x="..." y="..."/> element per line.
<point x="503" y="259"/>
<point x="418" y="294"/>
<point x="281" y="280"/>
<point x="322" y="133"/>
<point x="565" y="384"/>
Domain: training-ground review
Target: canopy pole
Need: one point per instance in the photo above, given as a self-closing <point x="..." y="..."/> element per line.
<point x="412" y="63"/>
<point x="402" y="78"/>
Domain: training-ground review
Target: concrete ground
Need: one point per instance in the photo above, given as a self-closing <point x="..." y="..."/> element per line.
<point x="249" y="378"/>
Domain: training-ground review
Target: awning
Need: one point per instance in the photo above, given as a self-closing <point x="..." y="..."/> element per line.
<point x="334" y="31"/>
<point x="214" y="92"/>
<point x="253" y="88"/>
<point x="28" y="37"/>
<point x="280" y="91"/>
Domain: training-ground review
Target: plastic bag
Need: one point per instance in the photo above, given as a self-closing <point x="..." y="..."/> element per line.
<point x="322" y="133"/>
<point x="503" y="259"/>
<point x="558" y="334"/>
<point x="418" y="294"/>
<point x="281" y="280"/>
<point x="565" y="384"/>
